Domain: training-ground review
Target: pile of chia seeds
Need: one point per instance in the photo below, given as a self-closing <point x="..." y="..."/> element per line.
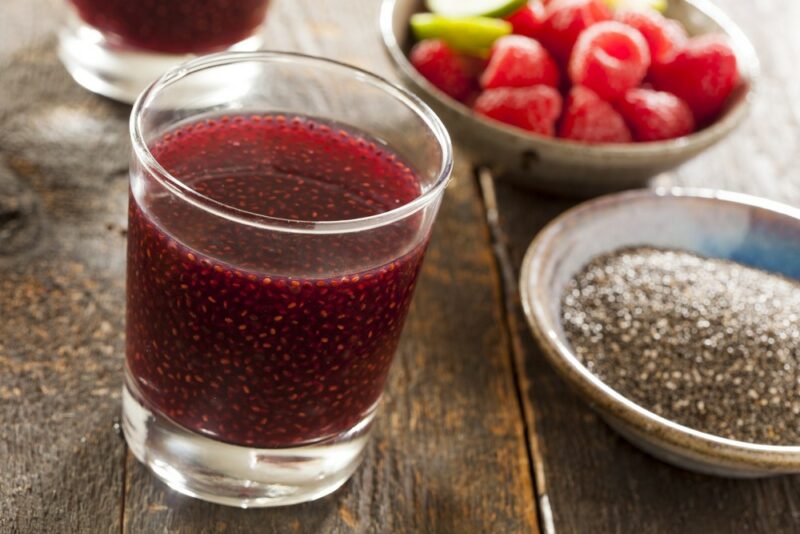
<point x="708" y="343"/>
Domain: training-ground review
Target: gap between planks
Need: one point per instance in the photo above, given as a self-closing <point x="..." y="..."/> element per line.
<point x="124" y="485"/>
<point x="509" y="295"/>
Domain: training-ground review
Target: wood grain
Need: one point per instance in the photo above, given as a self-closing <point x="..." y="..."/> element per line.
<point x="449" y="451"/>
<point x="61" y="284"/>
<point x="591" y="479"/>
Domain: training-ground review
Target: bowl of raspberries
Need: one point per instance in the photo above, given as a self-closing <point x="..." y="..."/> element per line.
<point x="576" y="96"/>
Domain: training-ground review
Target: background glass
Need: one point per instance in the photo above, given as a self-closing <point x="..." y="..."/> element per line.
<point x="258" y="345"/>
<point x="118" y="47"/>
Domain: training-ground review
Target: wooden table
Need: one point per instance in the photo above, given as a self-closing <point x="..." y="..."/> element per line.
<point x="476" y="433"/>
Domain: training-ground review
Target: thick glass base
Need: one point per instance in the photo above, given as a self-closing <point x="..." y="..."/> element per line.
<point x="117" y="73"/>
<point x="234" y="475"/>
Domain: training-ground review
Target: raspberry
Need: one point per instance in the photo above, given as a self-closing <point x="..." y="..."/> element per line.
<point x="655" y="115"/>
<point x="664" y="36"/>
<point x="531" y="108"/>
<point x="703" y="73"/>
<point x="528" y="19"/>
<point x="589" y="118"/>
<point x="444" y="68"/>
<point x="565" y="21"/>
<point x="609" y="58"/>
<point x="518" y="61"/>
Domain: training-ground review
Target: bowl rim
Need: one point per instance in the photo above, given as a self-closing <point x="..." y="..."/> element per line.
<point x="749" y="71"/>
<point x="543" y="324"/>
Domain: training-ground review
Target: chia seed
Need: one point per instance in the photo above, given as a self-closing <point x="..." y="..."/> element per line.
<point x="708" y="343"/>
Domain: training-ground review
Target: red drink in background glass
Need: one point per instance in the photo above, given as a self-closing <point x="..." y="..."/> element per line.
<point x="117" y="48"/>
<point x="244" y="335"/>
<point x="173" y="26"/>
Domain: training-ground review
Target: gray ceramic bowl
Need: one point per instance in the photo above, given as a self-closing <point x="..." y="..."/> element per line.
<point x="566" y="166"/>
<point x="714" y="224"/>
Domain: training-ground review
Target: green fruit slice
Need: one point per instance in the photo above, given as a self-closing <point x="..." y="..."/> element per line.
<point x="658" y="5"/>
<point x="473" y="35"/>
<point x="474" y="8"/>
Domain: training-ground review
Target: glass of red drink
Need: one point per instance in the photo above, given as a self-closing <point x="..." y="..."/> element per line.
<point x="118" y="47"/>
<point x="275" y="238"/>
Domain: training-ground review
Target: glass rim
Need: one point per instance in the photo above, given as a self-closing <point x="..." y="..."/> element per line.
<point x="221" y="209"/>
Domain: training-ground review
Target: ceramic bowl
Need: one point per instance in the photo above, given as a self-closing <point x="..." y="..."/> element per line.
<point x="566" y="166"/>
<point x="716" y="224"/>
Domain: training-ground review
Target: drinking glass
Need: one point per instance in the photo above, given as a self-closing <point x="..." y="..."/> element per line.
<point x="276" y="231"/>
<point x="118" y="47"/>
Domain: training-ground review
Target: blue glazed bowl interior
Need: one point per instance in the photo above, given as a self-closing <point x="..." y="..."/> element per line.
<point x="771" y="243"/>
<point x="741" y="228"/>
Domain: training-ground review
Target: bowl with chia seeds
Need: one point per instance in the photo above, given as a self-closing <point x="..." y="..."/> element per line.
<point x="676" y="315"/>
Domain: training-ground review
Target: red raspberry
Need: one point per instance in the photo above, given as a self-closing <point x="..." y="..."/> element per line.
<point x="655" y="115"/>
<point x="444" y="68"/>
<point x="609" y="58"/>
<point x="593" y="120"/>
<point x="565" y="21"/>
<point x="517" y="61"/>
<point x="528" y="19"/>
<point x="703" y="73"/>
<point x="664" y="36"/>
<point x="531" y="108"/>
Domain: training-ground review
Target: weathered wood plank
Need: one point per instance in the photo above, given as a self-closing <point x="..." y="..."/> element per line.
<point x="592" y="479"/>
<point x="449" y="450"/>
<point x="61" y="282"/>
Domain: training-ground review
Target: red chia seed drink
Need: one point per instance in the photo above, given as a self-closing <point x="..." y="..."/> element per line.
<point x="173" y="26"/>
<point x="280" y="207"/>
<point x="269" y="339"/>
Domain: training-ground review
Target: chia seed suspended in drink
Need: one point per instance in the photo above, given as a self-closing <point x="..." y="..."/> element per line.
<point x="708" y="343"/>
<point x="264" y="338"/>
